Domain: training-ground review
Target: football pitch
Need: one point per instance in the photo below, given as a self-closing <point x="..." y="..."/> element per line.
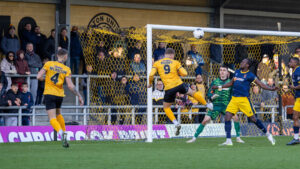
<point x="257" y="152"/>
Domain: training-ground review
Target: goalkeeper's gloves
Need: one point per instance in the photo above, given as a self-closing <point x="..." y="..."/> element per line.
<point x="213" y="97"/>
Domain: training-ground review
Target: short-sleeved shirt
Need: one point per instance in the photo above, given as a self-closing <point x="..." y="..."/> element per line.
<point x="168" y="71"/>
<point x="241" y="84"/>
<point x="56" y="73"/>
<point x="296" y="81"/>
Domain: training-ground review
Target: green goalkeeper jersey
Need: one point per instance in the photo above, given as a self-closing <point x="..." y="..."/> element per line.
<point x="224" y="96"/>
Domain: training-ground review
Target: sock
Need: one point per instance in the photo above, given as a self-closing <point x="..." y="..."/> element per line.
<point x="228" y="129"/>
<point x="199" y="98"/>
<point x="296" y="132"/>
<point x="259" y="124"/>
<point x="175" y="122"/>
<point x="199" y="130"/>
<point x="228" y="140"/>
<point x="237" y="128"/>
<point x="55" y="124"/>
<point x="61" y="121"/>
<point x="61" y="132"/>
<point x="170" y="114"/>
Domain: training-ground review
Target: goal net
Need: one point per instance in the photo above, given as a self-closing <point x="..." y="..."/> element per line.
<point x="119" y="63"/>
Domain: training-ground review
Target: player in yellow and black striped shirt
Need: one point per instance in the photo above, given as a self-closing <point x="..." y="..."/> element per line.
<point x="170" y="71"/>
<point x="56" y="73"/>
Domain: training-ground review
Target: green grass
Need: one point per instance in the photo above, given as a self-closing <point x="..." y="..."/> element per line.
<point x="161" y="154"/>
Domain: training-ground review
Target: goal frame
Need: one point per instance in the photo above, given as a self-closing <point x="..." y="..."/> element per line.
<point x="151" y="27"/>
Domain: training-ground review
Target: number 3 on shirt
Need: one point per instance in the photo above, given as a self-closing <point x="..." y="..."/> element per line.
<point x="54" y="78"/>
<point x="167" y="69"/>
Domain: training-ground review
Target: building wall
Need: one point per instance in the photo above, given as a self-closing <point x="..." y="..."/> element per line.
<point x="81" y="15"/>
<point x="43" y="14"/>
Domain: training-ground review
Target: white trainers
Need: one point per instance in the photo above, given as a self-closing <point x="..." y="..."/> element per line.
<point x="271" y="139"/>
<point x="239" y="140"/>
<point x="210" y="106"/>
<point x="226" y="143"/>
<point x="191" y="140"/>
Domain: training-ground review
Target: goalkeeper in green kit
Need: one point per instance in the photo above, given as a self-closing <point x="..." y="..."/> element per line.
<point x="220" y="100"/>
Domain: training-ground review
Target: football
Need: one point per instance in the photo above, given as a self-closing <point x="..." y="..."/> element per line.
<point x="198" y="33"/>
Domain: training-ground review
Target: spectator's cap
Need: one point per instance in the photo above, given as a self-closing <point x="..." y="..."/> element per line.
<point x="266" y="56"/>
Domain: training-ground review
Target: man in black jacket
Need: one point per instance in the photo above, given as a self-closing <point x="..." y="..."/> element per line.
<point x="13" y="99"/>
<point x="41" y="40"/>
<point x="49" y="47"/>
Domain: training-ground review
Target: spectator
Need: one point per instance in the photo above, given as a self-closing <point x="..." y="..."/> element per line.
<point x="34" y="63"/>
<point x="26" y="100"/>
<point x="268" y="98"/>
<point x="10" y="41"/>
<point x="275" y="73"/>
<point x="256" y="98"/>
<point x="122" y="98"/>
<point x="265" y="67"/>
<point x="134" y="50"/>
<point x="75" y="50"/>
<point x="22" y="68"/>
<point x="158" y="94"/>
<point x="28" y="36"/>
<point x="8" y="66"/>
<point x="288" y="100"/>
<point x="136" y="90"/>
<point x="159" y="53"/>
<point x="3" y="102"/>
<point x="41" y="40"/>
<point x="196" y="59"/>
<point x="137" y="66"/>
<point x="49" y="47"/>
<point x="14" y="99"/>
<point x="41" y="87"/>
<point x="3" y="81"/>
<point x="121" y="42"/>
<point x="199" y="85"/>
<point x="102" y="48"/>
<point x="111" y="89"/>
<point x="297" y="52"/>
<point x="63" y="39"/>
<point x="101" y="66"/>
<point x="118" y="61"/>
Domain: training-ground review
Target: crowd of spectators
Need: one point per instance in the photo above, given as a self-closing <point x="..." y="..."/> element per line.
<point x="25" y="55"/>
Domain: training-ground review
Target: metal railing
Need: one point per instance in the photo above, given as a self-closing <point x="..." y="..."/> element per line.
<point x="85" y="113"/>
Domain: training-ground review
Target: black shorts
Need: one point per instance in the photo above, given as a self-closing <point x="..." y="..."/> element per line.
<point x="170" y="94"/>
<point x="53" y="102"/>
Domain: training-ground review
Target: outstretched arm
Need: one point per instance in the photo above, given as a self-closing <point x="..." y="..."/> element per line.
<point x="73" y="89"/>
<point x="263" y="86"/>
<point x="227" y="85"/>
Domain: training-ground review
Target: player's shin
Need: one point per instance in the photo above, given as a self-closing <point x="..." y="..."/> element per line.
<point x="55" y="124"/>
<point x="259" y="124"/>
<point x="199" y="130"/>
<point x="237" y="128"/>
<point x="228" y="129"/>
<point x="61" y="121"/>
<point x="170" y="115"/>
<point x="296" y="132"/>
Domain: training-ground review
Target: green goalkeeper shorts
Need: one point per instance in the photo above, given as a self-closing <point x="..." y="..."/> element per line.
<point x="216" y="111"/>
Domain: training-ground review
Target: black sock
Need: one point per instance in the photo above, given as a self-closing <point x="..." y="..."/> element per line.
<point x="228" y="129"/>
<point x="259" y="124"/>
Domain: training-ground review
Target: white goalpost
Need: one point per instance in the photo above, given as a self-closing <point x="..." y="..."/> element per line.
<point x="151" y="27"/>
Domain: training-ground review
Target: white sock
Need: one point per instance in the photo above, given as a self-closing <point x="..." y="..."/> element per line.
<point x="61" y="132"/>
<point x="296" y="136"/>
<point x="228" y="140"/>
<point x="175" y="122"/>
<point x="194" y="138"/>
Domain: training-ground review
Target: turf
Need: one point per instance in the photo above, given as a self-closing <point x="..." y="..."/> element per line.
<point x="161" y="154"/>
